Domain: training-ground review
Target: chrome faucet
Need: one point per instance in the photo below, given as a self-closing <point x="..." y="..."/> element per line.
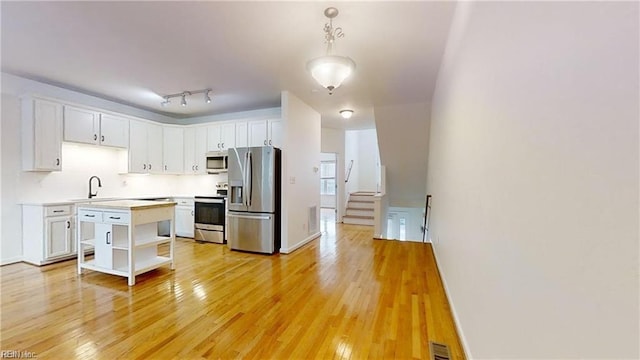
<point x="91" y="194"/>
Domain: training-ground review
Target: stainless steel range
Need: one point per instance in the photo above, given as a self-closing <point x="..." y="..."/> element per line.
<point x="210" y="219"/>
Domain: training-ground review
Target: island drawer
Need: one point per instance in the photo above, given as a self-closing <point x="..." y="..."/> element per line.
<point x="89" y="215"/>
<point x="116" y="217"/>
<point x="58" y="210"/>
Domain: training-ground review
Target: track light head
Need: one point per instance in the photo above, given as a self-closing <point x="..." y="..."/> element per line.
<point x="183" y="102"/>
<point x="165" y="103"/>
<point x="207" y="99"/>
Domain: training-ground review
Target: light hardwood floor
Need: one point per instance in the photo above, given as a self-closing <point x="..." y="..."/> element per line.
<point x="343" y="296"/>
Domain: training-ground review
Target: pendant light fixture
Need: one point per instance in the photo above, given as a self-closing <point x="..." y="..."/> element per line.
<point x="331" y="70"/>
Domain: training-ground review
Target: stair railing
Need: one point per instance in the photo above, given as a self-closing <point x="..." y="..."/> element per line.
<point x="346" y="180"/>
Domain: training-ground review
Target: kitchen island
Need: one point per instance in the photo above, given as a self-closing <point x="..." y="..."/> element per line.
<point x="124" y="236"/>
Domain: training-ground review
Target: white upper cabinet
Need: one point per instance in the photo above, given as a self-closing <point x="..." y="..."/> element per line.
<point x="80" y="125"/>
<point x="173" y="149"/>
<point x="145" y="147"/>
<point x="114" y="131"/>
<point x="195" y="149"/>
<point x="221" y="137"/>
<point x="265" y="133"/>
<point x="275" y="133"/>
<point x="41" y="135"/>
<point x="91" y="127"/>
<point x="242" y="134"/>
<point x="154" y="133"/>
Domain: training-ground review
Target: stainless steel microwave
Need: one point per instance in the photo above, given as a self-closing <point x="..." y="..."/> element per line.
<point x="217" y="162"/>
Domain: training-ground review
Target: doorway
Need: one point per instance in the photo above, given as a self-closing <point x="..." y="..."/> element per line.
<point x="328" y="189"/>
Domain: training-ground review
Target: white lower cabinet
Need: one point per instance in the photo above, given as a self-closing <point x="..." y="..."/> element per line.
<point x="185" y="217"/>
<point x="47" y="233"/>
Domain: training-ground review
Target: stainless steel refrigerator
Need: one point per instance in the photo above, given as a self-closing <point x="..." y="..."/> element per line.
<point x="254" y="199"/>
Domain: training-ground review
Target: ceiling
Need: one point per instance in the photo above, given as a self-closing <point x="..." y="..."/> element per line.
<point x="246" y="52"/>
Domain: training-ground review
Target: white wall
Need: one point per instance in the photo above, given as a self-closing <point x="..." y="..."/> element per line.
<point x="300" y="173"/>
<point x="533" y="168"/>
<point x="403" y="138"/>
<point x="361" y="146"/>
<point x="333" y="141"/>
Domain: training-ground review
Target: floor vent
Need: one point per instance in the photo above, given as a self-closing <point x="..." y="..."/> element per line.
<point x="439" y="351"/>
<point x="313" y="219"/>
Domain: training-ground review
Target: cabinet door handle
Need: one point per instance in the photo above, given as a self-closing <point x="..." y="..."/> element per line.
<point x="95" y="137"/>
<point x="165" y="168"/>
<point x="114" y="217"/>
<point x="149" y="166"/>
<point x="58" y="211"/>
<point x="107" y="236"/>
<point x="58" y="162"/>
<point x="91" y="216"/>
<point x="193" y="168"/>
<point x="223" y="145"/>
<point x="102" y="138"/>
<point x="265" y="142"/>
<point x="68" y="224"/>
<point x="144" y="166"/>
<point x="197" y="166"/>
<point x="192" y="213"/>
<point x="269" y="142"/>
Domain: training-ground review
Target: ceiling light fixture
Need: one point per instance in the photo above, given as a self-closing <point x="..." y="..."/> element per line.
<point x="331" y="70"/>
<point x="347" y="114"/>
<point x="183" y="102"/>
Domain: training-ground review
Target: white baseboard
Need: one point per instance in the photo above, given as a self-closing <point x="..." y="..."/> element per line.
<point x="456" y="320"/>
<point x="300" y="244"/>
<point x="12" y="260"/>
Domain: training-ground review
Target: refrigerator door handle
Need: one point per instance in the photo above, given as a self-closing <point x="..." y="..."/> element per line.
<point x="244" y="180"/>
<point x="249" y="182"/>
<point x="253" y="217"/>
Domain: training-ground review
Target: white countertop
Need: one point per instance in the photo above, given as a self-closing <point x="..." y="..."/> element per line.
<point x="127" y="204"/>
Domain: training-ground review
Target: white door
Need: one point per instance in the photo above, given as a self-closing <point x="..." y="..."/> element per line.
<point x="189" y="136"/>
<point x="200" y="150"/>
<point x="173" y="149"/>
<point x="228" y="136"/>
<point x="258" y="133"/>
<point x="48" y="135"/>
<point x="58" y="236"/>
<point x="114" y="131"/>
<point x="241" y="134"/>
<point x="138" y="147"/>
<point x="103" y="245"/>
<point x="80" y="125"/>
<point x="154" y="148"/>
<point x="275" y="133"/>
<point x="185" y="221"/>
<point x="213" y="138"/>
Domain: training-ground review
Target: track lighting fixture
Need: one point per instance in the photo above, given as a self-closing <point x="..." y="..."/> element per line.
<point x="183" y="95"/>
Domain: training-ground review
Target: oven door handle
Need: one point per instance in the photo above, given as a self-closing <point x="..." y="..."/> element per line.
<point x="253" y="217"/>
<point x="210" y="201"/>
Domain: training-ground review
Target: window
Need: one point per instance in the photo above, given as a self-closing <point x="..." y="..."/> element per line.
<point x="327" y="178"/>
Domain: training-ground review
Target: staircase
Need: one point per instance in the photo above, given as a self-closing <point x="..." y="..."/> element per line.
<point x="359" y="209"/>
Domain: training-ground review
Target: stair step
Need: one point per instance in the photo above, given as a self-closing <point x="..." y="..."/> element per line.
<point x="359" y="212"/>
<point x="358" y="220"/>
<point x="360" y="198"/>
<point x="360" y="205"/>
<point x="363" y="193"/>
